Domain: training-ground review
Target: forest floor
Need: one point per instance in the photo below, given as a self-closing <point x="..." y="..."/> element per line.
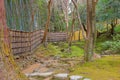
<point x="56" y="58"/>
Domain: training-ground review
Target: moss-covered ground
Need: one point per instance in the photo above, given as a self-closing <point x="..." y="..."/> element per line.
<point x="61" y="49"/>
<point x="106" y="68"/>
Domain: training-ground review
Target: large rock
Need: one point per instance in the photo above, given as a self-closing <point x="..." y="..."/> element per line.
<point x="61" y="76"/>
<point x="76" y="77"/>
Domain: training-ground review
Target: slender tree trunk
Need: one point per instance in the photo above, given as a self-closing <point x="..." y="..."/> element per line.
<point x="47" y="23"/>
<point x="112" y="29"/>
<point x="79" y="35"/>
<point x="84" y="27"/>
<point x="8" y="67"/>
<point x="79" y="19"/>
<point x="65" y="11"/>
<point x="72" y="29"/>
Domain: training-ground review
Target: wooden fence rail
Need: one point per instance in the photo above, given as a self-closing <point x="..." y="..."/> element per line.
<point x="22" y="42"/>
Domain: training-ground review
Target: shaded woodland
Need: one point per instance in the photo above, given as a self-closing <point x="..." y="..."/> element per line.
<point x="59" y="39"/>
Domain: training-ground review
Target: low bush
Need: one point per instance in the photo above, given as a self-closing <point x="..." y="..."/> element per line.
<point x="112" y="45"/>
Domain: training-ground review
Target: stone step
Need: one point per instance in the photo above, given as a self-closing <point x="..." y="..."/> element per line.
<point x="46" y="74"/>
<point x="61" y="76"/>
<point x="31" y="68"/>
<point x="86" y="79"/>
<point x="76" y="77"/>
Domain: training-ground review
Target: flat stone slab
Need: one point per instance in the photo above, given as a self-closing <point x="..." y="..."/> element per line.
<point x="61" y="76"/>
<point x="76" y="77"/>
<point x="31" y="68"/>
<point x="86" y="79"/>
<point x="46" y="74"/>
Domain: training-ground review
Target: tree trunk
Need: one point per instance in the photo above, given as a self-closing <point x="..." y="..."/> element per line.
<point x="65" y="8"/>
<point x="79" y="19"/>
<point x="84" y="27"/>
<point x="91" y="31"/>
<point x="112" y="29"/>
<point x="72" y="29"/>
<point x="8" y="67"/>
<point x="47" y="23"/>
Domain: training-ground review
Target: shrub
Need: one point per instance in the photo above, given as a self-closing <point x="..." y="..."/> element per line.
<point x="112" y="45"/>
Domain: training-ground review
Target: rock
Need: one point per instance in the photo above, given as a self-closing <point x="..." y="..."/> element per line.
<point x="17" y="57"/>
<point x="62" y="76"/>
<point x="108" y="52"/>
<point x="72" y="63"/>
<point x="46" y="74"/>
<point x="96" y="56"/>
<point x="42" y="70"/>
<point x="31" y="68"/>
<point x="86" y="79"/>
<point x="76" y="77"/>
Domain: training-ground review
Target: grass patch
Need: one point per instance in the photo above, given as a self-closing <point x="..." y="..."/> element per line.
<point x="106" y="68"/>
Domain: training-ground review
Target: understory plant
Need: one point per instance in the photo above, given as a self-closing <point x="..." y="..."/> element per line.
<point x="113" y="45"/>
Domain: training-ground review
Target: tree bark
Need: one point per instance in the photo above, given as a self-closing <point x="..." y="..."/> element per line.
<point x="65" y="8"/>
<point x="112" y="28"/>
<point x="47" y="23"/>
<point x="8" y="67"/>
<point x="79" y="19"/>
<point x="84" y="27"/>
<point x="91" y="31"/>
<point x="72" y="29"/>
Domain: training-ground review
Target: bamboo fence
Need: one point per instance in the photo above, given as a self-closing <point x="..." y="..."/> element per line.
<point x="22" y="42"/>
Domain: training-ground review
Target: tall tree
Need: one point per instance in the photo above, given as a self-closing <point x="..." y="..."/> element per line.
<point x="8" y="67"/>
<point x="47" y="23"/>
<point x="65" y="6"/>
<point x="91" y="30"/>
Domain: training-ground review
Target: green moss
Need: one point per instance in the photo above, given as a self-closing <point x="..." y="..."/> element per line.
<point x="50" y="50"/>
<point x="77" y="51"/>
<point x="61" y="50"/>
<point x="106" y="68"/>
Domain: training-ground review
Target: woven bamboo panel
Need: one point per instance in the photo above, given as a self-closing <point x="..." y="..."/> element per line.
<point x="57" y="37"/>
<point x="27" y="41"/>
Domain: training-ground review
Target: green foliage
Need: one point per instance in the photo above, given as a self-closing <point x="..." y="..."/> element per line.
<point x="57" y="21"/>
<point x="108" y="10"/>
<point x="42" y="12"/>
<point x="100" y="27"/>
<point x="112" y="45"/>
<point x="83" y="13"/>
<point x="117" y="29"/>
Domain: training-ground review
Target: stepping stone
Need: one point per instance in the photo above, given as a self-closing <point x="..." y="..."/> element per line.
<point x="31" y="68"/>
<point x="76" y="77"/>
<point x="86" y="79"/>
<point x="46" y="74"/>
<point x="48" y="78"/>
<point x="62" y="76"/>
